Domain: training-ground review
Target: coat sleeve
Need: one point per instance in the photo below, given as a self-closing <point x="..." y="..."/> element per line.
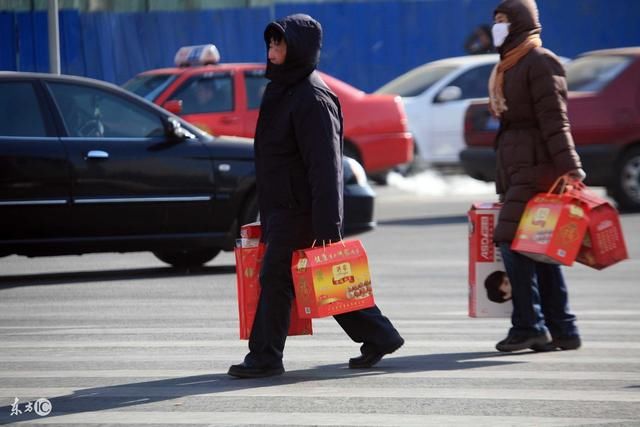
<point x="318" y="131"/>
<point x="549" y="93"/>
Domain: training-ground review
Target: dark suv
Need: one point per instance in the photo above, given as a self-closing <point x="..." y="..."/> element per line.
<point x="86" y="166"/>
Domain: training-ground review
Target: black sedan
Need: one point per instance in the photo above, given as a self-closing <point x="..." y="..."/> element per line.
<point x="88" y="167"/>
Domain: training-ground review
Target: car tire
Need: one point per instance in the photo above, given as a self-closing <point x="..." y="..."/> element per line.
<point x="187" y="258"/>
<point x="626" y="185"/>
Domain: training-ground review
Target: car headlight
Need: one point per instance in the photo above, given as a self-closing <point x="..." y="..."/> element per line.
<point x="359" y="175"/>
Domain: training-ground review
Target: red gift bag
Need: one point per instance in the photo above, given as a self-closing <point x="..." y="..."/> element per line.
<point x="552" y="227"/>
<point x="332" y="279"/>
<point x="603" y="244"/>
<point x="249" y="252"/>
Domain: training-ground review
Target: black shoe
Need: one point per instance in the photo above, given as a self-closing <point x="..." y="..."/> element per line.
<point x="563" y="342"/>
<point x="245" y="371"/>
<point x="368" y="360"/>
<point x="523" y="342"/>
<point x="567" y="342"/>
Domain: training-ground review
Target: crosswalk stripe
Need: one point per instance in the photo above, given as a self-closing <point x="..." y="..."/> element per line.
<point x="313" y="389"/>
<point x="311" y="419"/>
<point x="466" y="374"/>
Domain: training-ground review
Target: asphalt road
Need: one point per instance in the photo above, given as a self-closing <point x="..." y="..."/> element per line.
<point x="117" y="339"/>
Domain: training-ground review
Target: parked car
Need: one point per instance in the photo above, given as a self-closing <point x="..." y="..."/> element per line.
<point x="435" y="97"/>
<point x="604" y="113"/>
<point x="86" y="166"/>
<point x="375" y="127"/>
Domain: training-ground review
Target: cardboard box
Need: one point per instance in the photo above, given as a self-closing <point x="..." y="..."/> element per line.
<point x="485" y="264"/>
<point x="248" y="263"/>
<point x="551" y="229"/>
<point x="332" y="280"/>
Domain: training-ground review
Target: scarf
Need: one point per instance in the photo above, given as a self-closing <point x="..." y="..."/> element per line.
<point x="497" y="102"/>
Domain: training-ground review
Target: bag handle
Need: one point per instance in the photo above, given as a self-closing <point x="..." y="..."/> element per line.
<point x="561" y="181"/>
<point x="313" y="245"/>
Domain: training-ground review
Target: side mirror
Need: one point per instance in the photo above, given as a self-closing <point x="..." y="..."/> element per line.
<point x="175" y="130"/>
<point x="174" y="106"/>
<point x="449" y="93"/>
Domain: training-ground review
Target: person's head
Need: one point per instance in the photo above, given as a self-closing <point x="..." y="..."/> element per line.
<point x="498" y="287"/>
<point x="483" y="33"/>
<point x="293" y="47"/>
<point x="277" y="47"/>
<point x="514" y="21"/>
<point x="204" y="93"/>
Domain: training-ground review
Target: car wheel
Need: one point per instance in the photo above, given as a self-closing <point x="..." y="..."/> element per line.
<point x="626" y="187"/>
<point x="187" y="258"/>
<point x="380" y="178"/>
<point x="413" y="167"/>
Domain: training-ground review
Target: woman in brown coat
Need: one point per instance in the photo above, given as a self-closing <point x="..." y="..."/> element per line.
<point x="534" y="147"/>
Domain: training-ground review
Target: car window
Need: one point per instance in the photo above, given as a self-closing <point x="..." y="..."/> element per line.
<point x="256" y="83"/>
<point x="474" y="83"/>
<point x="592" y="73"/>
<point x="20" y="113"/>
<point x="93" y="112"/>
<point x="149" y="86"/>
<point x="416" y="81"/>
<point x="208" y="93"/>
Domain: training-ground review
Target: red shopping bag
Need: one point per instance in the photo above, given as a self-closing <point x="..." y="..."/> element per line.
<point x="249" y="252"/>
<point x="603" y="244"/>
<point x="332" y="279"/>
<point x="552" y="227"/>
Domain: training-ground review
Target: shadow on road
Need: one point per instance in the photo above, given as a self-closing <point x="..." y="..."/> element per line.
<point x="129" y="395"/>
<point x="108" y="275"/>
<point x="438" y="220"/>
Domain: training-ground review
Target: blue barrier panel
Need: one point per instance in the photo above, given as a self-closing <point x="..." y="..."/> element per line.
<point x="143" y="41"/>
<point x="7" y="41"/>
<point x="33" y="49"/>
<point x="99" y="49"/>
<point x="366" y="43"/>
<point x="571" y="28"/>
<point x="71" y="53"/>
<point x="91" y="45"/>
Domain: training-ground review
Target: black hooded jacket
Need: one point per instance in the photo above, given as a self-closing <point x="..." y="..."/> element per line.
<point x="298" y="142"/>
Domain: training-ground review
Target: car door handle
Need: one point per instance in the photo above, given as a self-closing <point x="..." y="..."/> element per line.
<point x="96" y="154"/>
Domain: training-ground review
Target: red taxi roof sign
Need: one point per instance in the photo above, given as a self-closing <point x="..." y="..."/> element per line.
<point x="203" y="54"/>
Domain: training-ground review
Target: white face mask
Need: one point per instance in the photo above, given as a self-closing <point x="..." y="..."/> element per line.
<point x="500" y="31"/>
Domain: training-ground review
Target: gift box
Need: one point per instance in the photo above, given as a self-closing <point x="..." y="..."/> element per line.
<point x="249" y="252"/>
<point x="552" y="228"/>
<point x="603" y="244"/>
<point x="333" y="279"/>
<point x="489" y="287"/>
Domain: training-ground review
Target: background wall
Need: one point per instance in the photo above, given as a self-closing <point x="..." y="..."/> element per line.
<point x="366" y="43"/>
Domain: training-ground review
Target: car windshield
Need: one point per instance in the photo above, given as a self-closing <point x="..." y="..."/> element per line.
<point x="149" y="86"/>
<point x="416" y="81"/>
<point x="592" y="73"/>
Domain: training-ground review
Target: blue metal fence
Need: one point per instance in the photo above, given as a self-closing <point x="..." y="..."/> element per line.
<point x="366" y="43"/>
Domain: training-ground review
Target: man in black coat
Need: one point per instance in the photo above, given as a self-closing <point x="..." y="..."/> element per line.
<point x="298" y="153"/>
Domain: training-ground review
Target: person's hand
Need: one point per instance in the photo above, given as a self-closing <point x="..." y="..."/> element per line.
<point x="577" y="175"/>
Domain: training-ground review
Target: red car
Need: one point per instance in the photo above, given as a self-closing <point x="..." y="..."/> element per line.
<point x="223" y="99"/>
<point x="604" y="112"/>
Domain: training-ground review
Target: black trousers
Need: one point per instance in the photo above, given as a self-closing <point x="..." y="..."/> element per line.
<point x="271" y="324"/>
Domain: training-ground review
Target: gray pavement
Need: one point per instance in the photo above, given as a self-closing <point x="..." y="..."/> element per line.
<point x="118" y="339"/>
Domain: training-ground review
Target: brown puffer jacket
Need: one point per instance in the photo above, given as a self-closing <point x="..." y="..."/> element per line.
<point x="534" y="144"/>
